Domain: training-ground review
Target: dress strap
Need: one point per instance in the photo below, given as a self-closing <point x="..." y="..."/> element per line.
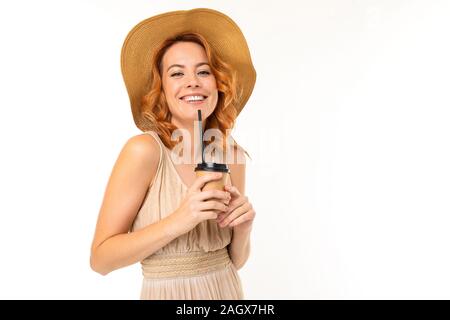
<point x="155" y="135"/>
<point x="161" y="149"/>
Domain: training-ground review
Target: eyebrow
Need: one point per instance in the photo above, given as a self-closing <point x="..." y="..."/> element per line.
<point x="181" y="66"/>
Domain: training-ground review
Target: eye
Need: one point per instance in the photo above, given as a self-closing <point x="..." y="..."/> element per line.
<point x="180" y="73"/>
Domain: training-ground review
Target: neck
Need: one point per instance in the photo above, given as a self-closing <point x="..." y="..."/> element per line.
<point x="193" y="134"/>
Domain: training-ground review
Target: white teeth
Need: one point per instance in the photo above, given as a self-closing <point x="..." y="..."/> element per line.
<point x="193" y="98"/>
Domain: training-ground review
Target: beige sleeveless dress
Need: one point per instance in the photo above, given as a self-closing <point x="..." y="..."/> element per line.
<point x="195" y="265"/>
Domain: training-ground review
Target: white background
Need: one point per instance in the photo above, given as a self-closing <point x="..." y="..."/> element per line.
<point x="347" y="128"/>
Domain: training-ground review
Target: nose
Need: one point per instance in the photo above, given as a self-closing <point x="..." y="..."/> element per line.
<point x="192" y="81"/>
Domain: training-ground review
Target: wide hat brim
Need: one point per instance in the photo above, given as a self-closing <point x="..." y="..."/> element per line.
<point x="220" y="31"/>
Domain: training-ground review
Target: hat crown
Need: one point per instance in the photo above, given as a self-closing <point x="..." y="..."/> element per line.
<point x="219" y="30"/>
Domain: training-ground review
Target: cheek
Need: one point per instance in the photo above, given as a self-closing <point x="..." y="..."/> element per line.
<point x="215" y="94"/>
<point x="215" y="98"/>
<point x="212" y="83"/>
<point x="212" y="86"/>
<point x="170" y="87"/>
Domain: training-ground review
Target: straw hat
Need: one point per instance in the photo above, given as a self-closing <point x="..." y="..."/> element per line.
<point x="220" y="31"/>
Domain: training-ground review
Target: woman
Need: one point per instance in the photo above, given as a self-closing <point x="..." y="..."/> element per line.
<point x="190" y="242"/>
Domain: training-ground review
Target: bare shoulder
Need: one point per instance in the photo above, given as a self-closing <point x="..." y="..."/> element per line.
<point x="136" y="164"/>
<point x="237" y="158"/>
<point x="130" y="179"/>
<point x="237" y="168"/>
<point x="142" y="148"/>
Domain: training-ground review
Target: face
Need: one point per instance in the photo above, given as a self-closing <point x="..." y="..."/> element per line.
<point x="189" y="85"/>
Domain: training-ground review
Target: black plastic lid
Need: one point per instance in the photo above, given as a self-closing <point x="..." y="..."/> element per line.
<point x="212" y="166"/>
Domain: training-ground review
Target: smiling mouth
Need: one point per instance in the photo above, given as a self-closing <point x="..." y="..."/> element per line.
<point x="194" y="102"/>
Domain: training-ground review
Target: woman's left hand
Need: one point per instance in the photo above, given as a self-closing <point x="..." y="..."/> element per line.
<point x="240" y="212"/>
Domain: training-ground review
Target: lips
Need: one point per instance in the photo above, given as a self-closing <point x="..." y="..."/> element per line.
<point x="194" y="102"/>
<point x="194" y="95"/>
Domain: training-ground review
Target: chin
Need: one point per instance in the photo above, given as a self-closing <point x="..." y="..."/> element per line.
<point x="206" y="112"/>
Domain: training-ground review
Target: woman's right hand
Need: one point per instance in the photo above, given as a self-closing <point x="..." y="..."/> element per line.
<point x="198" y="205"/>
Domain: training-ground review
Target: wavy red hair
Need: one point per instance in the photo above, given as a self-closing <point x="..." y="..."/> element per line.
<point x="154" y="104"/>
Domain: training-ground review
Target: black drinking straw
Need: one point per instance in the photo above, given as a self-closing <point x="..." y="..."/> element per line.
<point x="199" y="112"/>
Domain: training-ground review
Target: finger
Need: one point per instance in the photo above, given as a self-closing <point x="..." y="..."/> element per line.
<point x="209" y="215"/>
<point x="250" y="215"/>
<point x="233" y="190"/>
<point x="212" y="205"/>
<point x="233" y="216"/>
<point x="202" y="180"/>
<point x="234" y="204"/>
<point x="236" y="213"/>
<point x="213" y="194"/>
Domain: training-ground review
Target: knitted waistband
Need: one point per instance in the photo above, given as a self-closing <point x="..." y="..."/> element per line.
<point x="184" y="264"/>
